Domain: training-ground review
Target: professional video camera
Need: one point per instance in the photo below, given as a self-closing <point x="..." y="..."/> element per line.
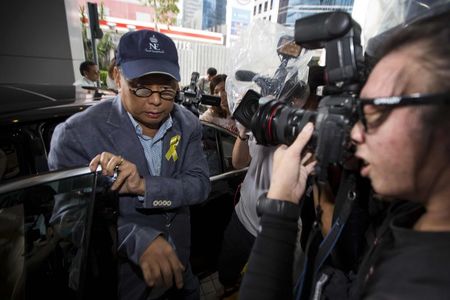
<point x="274" y="122"/>
<point x="191" y="98"/>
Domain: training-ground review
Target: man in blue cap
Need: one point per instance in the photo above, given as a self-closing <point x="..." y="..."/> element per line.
<point x="155" y="146"/>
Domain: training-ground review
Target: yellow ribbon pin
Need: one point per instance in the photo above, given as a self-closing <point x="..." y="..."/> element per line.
<point x="172" y="153"/>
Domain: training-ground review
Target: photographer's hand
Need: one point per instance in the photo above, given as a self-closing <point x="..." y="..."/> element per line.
<point x="290" y="170"/>
<point x="240" y="157"/>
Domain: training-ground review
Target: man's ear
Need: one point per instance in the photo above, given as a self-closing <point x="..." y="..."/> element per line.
<point x="116" y="76"/>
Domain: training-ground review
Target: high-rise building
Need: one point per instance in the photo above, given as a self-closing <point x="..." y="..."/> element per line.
<point x="239" y="16"/>
<point x="266" y="10"/>
<point x="291" y="10"/>
<point x="192" y="14"/>
<point x="214" y="14"/>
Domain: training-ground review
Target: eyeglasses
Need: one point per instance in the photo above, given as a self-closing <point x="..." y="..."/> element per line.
<point x="143" y="92"/>
<point x="387" y="103"/>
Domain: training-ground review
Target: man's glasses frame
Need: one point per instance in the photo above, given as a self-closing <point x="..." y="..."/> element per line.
<point x="143" y="92"/>
<point x="397" y="101"/>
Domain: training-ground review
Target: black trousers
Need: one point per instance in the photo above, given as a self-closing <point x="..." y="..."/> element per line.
<point x="236" y="247"/>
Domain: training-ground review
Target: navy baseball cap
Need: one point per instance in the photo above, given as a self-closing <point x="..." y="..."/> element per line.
<point x="146" y="52"/>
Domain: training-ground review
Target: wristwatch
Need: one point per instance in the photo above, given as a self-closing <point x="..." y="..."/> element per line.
<point x="277" y="208"/>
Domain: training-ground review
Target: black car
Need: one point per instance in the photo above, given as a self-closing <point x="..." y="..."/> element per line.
<point x="57" y="229"/>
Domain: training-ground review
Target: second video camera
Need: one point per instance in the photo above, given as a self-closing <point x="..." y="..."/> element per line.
<point x="191" y="98"/>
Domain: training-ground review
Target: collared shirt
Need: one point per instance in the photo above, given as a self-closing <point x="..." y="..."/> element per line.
<point x="85" y="82"/>
<point x="152" y="145"/>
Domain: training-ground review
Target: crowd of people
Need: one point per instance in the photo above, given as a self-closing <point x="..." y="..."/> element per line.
<point x="400" y="138"/>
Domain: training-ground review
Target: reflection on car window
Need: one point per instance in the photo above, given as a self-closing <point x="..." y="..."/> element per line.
<point x="211" y="150"/>
<point x="44" y="231"/>
<point x="24" y="152"/>
<point x="9" y="163"/>
<point x="227" y="147"/>
<point x="46" y="131"/>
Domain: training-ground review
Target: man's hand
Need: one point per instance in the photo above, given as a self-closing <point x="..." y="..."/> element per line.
<point x="128" y="180"/>
<point x="160" y="265"/>
<point x="290" y="170"/>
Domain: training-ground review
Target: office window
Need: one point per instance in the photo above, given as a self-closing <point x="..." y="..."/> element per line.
<point x="271" y="4"/>
<point x="265" y="6"/>
<point x="270" y="18"/>
<point x="259" y="8"/>
<point x="254" y="10"/>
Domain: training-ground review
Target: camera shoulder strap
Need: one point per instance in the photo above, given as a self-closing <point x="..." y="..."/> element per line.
<point x="346" y="197"/>
<point x="318" y="253"/>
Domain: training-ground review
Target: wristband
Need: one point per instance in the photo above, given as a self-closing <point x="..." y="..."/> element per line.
<point x="278" y="208"/>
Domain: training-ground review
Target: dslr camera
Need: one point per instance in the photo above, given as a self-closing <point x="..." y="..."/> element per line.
<point x="274" y="122"/>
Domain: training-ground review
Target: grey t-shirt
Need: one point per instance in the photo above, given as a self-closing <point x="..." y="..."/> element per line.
<point x="256" y="184"/>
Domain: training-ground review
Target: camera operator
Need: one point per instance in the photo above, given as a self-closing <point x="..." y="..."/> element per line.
<point x="219" y="115"/>
<point x="243" y="227"/>
<point x="402" y="138"/>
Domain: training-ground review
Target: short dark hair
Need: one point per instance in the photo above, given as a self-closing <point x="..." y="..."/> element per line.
<point x="84" y="66"/>
<point x="431" y="36"/>
<point x="215" y="81"/>
<point x="211" y="71"/>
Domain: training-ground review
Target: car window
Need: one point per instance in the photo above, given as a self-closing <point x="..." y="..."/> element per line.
<point x="211" y="150"/>
<point x="44" y="231"/>
<point x="9" y="162"/>
<point x="46" y="132"/>
<point x="21" y="152"/>
<point x="227" y="141"/>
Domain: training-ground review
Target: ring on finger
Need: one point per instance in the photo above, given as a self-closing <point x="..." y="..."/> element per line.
<point x="116" y="168"/>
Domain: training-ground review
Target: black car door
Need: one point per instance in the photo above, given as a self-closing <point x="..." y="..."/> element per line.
<point x="46" y="227"/>
<point x="209" y="219"/>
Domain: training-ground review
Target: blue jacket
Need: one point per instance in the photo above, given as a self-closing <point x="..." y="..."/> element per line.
<point x="106" y="126"/>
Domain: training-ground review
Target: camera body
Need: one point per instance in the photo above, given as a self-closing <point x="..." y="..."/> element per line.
<point x="274" y="122"/>
<point x="189" y="95"/>
<point x="191" y="98"/>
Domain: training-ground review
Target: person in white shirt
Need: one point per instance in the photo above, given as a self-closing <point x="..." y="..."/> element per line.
<point x="90" y="73"/>
<point x="204" y="82"/>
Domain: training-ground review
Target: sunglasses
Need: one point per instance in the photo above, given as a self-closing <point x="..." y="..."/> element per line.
<point x="387" y="103"/>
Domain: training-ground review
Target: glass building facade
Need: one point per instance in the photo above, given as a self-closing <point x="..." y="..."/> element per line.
<point x="214" y="13"/>
<point x="291" y="10"/>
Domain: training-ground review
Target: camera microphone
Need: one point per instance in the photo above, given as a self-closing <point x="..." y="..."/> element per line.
<point x="244" y="75"/>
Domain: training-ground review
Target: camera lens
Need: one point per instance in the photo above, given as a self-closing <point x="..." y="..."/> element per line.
<point x="276" y="123"/>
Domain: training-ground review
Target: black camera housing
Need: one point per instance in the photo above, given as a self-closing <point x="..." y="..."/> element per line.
<point x="340" y="35"/>
<point x="274" y="122"/>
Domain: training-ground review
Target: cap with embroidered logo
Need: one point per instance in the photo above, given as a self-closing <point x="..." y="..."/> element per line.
<point x="146" y="52"/>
